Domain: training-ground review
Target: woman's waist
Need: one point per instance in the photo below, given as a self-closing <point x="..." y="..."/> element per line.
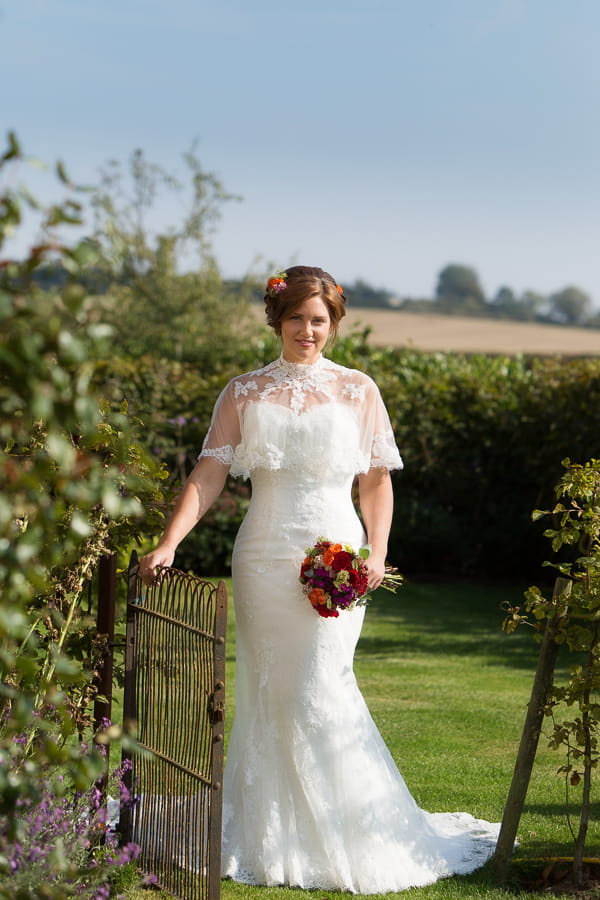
<point x="299" y="521"/>
<point x="297" y="482"/>
<point x="280" y="495"/>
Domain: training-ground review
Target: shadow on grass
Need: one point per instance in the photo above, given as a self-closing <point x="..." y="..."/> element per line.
<point x="453" y="619"/>
<point x="559" y="809"/>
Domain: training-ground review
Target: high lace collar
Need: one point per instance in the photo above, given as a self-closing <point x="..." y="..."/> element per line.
<point x="301" y="370"/>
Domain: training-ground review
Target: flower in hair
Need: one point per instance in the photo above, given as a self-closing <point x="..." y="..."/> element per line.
<point x="340" y="288"/>
<point x="276" y="284"/>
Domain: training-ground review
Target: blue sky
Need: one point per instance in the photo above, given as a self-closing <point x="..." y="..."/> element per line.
<point x="381" y="140"/>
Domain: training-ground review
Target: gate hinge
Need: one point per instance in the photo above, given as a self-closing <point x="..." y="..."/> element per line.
<point x="216" y="710"/>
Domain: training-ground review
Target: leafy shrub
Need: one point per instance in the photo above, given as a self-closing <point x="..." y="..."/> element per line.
<point x="74" y="483"/>
<point x="63" y="843"/>
<point x="482" y="439"/>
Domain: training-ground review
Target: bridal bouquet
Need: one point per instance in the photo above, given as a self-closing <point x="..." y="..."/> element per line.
<point x="334" y="577"/>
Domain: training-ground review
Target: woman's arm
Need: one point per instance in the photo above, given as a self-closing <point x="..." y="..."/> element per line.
<point x="376" y="505"/>
<point x="203" y="486"/>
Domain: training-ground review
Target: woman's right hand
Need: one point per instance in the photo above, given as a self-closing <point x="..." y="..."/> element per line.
<point x="162" y="556"/>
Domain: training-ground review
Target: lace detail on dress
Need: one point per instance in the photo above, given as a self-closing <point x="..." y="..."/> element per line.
<point x="384" y="453"/>
<point x="302" y="381"/>
<point x="354" y="391"/>
<point x="243" y="389"/>
<point x="223" y="454"/>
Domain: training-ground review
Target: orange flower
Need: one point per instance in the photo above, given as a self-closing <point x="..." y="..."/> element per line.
<point x="318" y="597"/>
<point x="329" y="554"/>
<point x="340" y="288"/>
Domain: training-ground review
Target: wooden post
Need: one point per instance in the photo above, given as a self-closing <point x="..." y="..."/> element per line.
<point x="542" y="682"/>
<point x="129" y="693"/>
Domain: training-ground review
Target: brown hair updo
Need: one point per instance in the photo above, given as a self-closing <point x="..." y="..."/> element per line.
<point x="302" y="282"/>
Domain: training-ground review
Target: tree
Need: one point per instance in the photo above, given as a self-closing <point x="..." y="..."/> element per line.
<point x="532" y="304"/>
<point x="525" y="307"/>
<point x="572" y="617"/>
<point x="458" y="289"/>
<point x="163" y="292"/>
<point x="364" y="295"/>
<point x="571" y="306"/>
<point x="506" y="304"/>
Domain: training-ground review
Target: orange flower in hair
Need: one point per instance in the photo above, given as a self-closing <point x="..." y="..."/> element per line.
<point x="340" y="288"/>
<point x="276" y="284"/>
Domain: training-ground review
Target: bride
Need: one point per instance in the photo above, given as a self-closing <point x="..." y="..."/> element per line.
<point x="312" y="797"/>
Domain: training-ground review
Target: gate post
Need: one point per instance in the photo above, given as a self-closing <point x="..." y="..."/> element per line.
<point x="129" y="692"/>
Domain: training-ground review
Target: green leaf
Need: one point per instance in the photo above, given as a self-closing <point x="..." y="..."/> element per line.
<point x="62" y="173"/>
<point x="14" y="149"/>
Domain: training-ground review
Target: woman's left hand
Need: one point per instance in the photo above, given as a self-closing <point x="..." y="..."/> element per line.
<point x="375" y="571"/>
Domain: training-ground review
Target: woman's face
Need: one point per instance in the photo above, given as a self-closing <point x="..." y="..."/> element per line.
<point x="304" y="331"/>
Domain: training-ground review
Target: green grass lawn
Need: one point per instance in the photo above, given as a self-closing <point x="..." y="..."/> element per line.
<point x="448" y="691"/>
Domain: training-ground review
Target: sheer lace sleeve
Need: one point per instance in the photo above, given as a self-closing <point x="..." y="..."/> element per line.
<point x="378" y="438"/>
<point x="223" y="436"/>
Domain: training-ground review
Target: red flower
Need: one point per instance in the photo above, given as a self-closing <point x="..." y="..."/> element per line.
<point x="342" y="560"/>
<point x="326" y="612"/>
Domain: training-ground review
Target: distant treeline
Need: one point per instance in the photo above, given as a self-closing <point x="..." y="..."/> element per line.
<point x="458" y="293"/>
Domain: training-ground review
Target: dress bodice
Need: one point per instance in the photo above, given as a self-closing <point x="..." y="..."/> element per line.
<point x="319" y="419"/>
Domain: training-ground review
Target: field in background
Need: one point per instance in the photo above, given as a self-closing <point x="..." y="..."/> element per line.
<point x="470" y="335"/>
<point x="464" y="334"/>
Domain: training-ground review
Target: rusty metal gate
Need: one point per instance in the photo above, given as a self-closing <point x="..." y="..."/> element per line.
<point x="175" y="696"/>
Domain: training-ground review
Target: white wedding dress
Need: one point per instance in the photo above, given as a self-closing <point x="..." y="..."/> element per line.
<point x="312" y="796"/>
